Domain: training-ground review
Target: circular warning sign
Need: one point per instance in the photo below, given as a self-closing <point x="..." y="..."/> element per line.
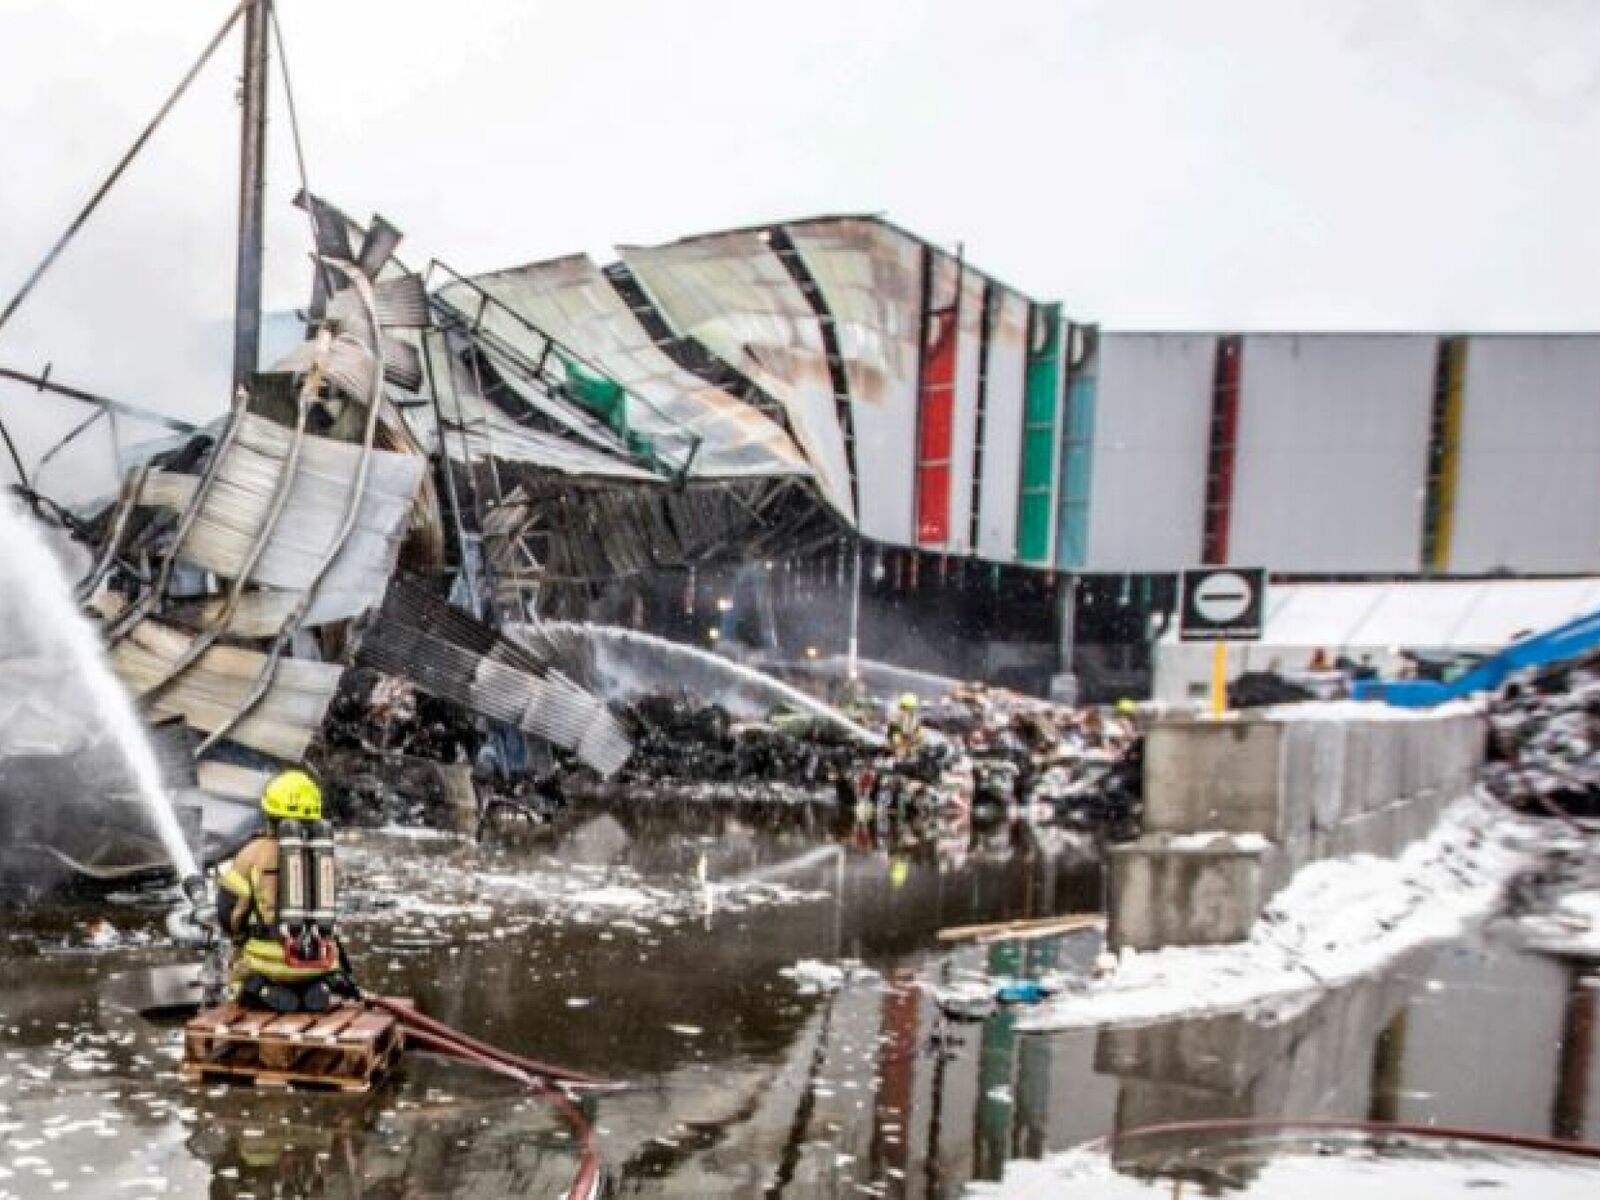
<point x="1222" y="605"/>
<point x="1223" y="597"/>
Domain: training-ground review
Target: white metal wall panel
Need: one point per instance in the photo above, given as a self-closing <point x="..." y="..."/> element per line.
<point x="870" y="277"/>
<point x="1000" y="456"/>
<point x="1528" y="485"/>
<point x="731" y="292"/>
<point x="964" y="432"/>
<point x="1151" y="439"/>
<point x="574" y="303"/>
<point x="1332" y="450"/>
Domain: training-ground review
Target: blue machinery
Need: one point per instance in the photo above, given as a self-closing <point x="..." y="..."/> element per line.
<point x="1566" y="641"/>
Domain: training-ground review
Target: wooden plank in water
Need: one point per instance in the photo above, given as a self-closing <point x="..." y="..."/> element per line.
<point x="998" y="931"/>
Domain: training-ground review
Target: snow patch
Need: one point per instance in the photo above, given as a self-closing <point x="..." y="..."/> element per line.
<point x="1336" y="921"/>
<point x="1368" y="710"/>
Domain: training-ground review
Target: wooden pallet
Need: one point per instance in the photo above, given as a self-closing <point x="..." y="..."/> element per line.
<point x="349" y="1047"/>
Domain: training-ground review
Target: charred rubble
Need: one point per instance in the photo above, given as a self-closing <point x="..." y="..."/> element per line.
<point x="982" y="751"/>
<point x="1544" y="746"/>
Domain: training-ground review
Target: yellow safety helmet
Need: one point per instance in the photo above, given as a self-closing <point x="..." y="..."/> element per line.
<point x="1127" y="707"/>
<point x="908" y="700"/>
<point x="292" y="796"/>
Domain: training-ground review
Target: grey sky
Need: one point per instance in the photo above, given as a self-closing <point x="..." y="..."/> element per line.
<point x="1242" y="163"/>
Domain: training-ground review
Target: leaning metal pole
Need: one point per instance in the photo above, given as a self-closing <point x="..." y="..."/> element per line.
<point x="252" y="184"/>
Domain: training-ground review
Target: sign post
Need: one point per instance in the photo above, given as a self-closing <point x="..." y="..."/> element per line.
<point x="1219" y="678"/>
<point x="1222" y="605"/>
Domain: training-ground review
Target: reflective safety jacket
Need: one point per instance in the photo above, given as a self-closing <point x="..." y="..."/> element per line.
<point x="248" y="906"/>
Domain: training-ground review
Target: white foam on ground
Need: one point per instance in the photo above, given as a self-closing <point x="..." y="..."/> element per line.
<point x="1336" y="921"/>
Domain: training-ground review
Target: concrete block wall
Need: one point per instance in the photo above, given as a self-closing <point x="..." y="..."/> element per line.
<point x="1234" y="807"/>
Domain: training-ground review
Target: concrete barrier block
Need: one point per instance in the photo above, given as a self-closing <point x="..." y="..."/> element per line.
<point x="1369" y="833"/>
<point x="1313" y="776"/>
<point x="1455" y="769"/>
<point x="1188" y="892"/>
<point x="1414" y="819"/>
<point x="1357" y="765"/>
<point x="1213" y="775"/>
<point x="1476" y="735"/>
<point x="1453" y="758"/>
<point x="1296" y="853"/>
<point x="1430" y="746"/>
<point x="1385" y="759"/>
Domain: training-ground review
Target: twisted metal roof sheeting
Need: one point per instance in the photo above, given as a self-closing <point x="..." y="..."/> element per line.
<point x="572" y="301"/>
<point x="421" y="638"/>
<point x="521" y="357"/>
<point x="261" y="612"/>
<point x="490" y="432"/>
<point x="236" y="507"/>
<point x="870" y="277"/>
<point x="216" y="686"/>
<point x="733" y="294"/>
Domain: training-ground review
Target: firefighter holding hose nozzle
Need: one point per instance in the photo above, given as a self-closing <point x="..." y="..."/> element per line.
<point x="278" y="903"/>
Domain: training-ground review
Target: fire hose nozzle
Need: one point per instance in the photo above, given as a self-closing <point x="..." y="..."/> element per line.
<point x="195" y="924"/>
<point x="195" y="891"/>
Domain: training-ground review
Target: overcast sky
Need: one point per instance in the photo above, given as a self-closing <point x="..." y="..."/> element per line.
<point x="1285" y="164"/>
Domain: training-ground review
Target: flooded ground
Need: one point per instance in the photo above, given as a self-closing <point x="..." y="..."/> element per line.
<point x="657" y="946"/>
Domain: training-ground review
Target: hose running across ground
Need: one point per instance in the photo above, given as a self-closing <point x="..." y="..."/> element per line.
<point x="542" y="1078"/>
<point x="1446" y="1133"/>
<point x="585" y="1184"/>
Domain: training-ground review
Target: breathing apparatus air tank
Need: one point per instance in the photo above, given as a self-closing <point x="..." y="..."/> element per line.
<point x="324" y="877"/>
<point x="294" y="890"/>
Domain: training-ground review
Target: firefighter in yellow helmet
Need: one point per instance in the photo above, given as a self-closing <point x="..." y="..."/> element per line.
<point x="278" y="903"/>
<point x="905" y="726"/>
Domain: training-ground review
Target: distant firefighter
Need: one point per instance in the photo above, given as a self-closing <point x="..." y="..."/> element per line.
<point x="905" y="726"/>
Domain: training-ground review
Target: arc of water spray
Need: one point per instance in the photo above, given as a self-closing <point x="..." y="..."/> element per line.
<point x="30" y="572"/>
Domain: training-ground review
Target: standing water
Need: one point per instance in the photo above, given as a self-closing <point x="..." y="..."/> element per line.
<point x="31" y="577"/>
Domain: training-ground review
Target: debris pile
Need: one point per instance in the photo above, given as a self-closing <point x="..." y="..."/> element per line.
<point x="976" y="750"/>
<point x="1557" y="905"/>
<point x="1544" y="751"/>
<point x="676" y="739"/>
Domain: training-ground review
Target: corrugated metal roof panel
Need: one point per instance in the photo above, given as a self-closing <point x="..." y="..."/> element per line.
<point x="238" y="504"/>
<point x="489" y="432"/>
<point x="217" y="685"/>
<point x="733" y="294"/>
<point x="573" y="302"/>
<point x="421" y="638"/>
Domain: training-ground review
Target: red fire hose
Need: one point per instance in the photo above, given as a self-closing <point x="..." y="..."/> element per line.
<point x="585" y="1183"/>
<point x="414" y="1020"/>
<point x="1447" y="1133"/>
<point x="429" y="1034"/>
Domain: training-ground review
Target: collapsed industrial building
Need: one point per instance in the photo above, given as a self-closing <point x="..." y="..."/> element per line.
<point x="422" y="503"/>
